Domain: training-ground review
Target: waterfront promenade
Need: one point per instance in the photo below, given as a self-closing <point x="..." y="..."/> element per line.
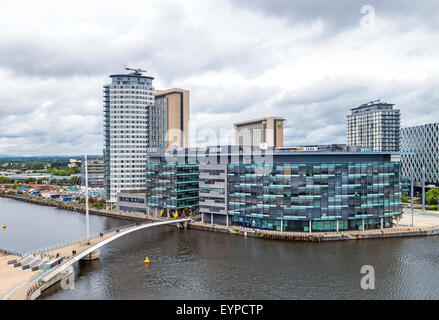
<point x="425" y="224"/>
<point x="14" y="283"/>
<point x="28" y="286"/>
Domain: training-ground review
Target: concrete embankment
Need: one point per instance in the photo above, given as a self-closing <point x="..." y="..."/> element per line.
<point x="319" y="236"/>
<point x="432" y="229"/>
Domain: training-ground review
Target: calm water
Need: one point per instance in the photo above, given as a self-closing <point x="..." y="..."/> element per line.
<point x="192" y="264"/>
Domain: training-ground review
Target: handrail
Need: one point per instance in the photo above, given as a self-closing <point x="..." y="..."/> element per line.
<point x="70" y="242"/>
<point x="10" y="252"/>
<point x="32" y="289"/>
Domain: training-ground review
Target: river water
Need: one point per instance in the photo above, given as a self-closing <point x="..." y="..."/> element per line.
<point x="195" y="264"/>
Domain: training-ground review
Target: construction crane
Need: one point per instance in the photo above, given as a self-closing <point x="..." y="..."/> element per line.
<point x="136" y="72"/>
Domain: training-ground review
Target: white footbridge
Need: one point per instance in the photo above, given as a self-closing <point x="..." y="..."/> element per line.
<point x="63" y="267"/>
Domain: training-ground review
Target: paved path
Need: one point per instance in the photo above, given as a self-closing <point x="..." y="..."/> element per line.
<point x="18" y="282"/>
<point x="420" y="218"/>
<point x="13" y="279"/>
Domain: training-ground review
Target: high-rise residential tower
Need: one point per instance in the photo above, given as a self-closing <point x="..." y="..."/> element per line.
<point x="170" y="118"/>
<point x="375" y="125"/>
<point x="127" y="103"/>
<point x="255" y="132"/>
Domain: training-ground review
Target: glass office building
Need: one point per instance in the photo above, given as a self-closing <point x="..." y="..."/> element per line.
<point x="280" y="189"/>
<point x="340" y="194"/>
<point x="171" y="187"/>
<point x="420" y="145"/>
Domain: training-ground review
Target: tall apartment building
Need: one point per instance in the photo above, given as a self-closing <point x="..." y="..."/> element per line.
<point x="420" y="147"/>
<point x="255" y="132"/>
<point x="170" y="118"/>
<point x="127" y="103"/>
<point x="375" y="125"/>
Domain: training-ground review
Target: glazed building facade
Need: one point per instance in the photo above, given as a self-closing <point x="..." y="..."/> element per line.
<point x="308" y="191"/>
<point x="420" y="145"/>
<point x="172" y="187"/>
<point x="278" y="189"/>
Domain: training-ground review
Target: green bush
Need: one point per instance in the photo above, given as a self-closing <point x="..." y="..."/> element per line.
<point x="432" y="207"/>
<point x="6" y="180"/>
<point x="405" y="199"/>
<point x="432" y="196"/>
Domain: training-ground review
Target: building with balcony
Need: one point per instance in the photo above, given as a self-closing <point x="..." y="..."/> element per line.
<point x="375" y="125"/>
<point x="127" y="134"/>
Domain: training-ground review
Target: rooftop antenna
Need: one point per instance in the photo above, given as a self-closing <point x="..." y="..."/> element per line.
<point x="136" y="72"/>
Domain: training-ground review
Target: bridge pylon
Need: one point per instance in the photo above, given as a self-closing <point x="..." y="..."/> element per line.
<point x="92" y="255"/>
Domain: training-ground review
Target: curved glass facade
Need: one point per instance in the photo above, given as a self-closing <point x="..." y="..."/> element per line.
<point x="319" y="192"/>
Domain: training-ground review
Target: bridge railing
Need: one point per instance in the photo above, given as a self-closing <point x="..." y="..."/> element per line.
<point x="11" y="252"/>
<point x="59" y="245"/>
<point x="77" y="240"/>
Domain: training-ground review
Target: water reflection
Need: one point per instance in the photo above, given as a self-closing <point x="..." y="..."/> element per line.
<point x="193" y="264"/>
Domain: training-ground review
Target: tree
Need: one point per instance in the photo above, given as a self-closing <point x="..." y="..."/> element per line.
<point x="432" y="196"/>
<point x="405" y="199"/>
<point x="6" y="180"/>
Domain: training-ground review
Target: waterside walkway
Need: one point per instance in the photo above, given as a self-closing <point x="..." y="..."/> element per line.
<point x="425" y="223"/>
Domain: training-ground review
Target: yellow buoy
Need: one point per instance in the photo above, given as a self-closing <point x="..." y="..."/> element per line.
<point x="146" y="260"/>
<point x="4" y="226"/>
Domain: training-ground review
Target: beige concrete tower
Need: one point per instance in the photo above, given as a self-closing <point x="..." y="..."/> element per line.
<point x="171" y="118"/>
<point x="269" y="130"/>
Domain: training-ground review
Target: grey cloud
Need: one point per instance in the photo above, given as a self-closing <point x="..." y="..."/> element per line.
<point x="343" y="15"/>
<point x="51" y="98"/>
<point x="322" y="106"/>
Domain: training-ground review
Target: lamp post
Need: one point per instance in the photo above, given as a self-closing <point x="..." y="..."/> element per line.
<point x="423" y="188"/>
<point x="411" y="191"/>
<point x="87" y="225"/>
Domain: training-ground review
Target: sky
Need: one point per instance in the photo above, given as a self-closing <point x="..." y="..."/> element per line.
<point x="308" y="61"/>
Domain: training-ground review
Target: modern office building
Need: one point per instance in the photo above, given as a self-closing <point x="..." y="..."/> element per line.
<point x="277" y="188"/>
<point x="132" y="201"/>
<point x="170" y="118"/>
<point x="376" y="125"/>
<point x="95" y="171"/>
<point x="269" y="131"/>
<point x="127" y="103"/>
<point x="420" y="145"/>
<point x="172" y="182"/>
<point x="213" y="192"/>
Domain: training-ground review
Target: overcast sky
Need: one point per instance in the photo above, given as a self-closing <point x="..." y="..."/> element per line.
<point x="308" y="61"/>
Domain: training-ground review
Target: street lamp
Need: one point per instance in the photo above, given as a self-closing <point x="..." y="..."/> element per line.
<point x="411" y="190"/>
<point x="87" y="225"/>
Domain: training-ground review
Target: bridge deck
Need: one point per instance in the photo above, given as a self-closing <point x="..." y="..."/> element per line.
<point x="19" y="281"/>
<point x="96" y="243"/>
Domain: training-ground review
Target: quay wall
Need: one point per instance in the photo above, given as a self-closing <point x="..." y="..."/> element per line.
<point x="262" y="234"/>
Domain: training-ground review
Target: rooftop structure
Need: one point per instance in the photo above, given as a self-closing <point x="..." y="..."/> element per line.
<point x="263" y="131"/>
